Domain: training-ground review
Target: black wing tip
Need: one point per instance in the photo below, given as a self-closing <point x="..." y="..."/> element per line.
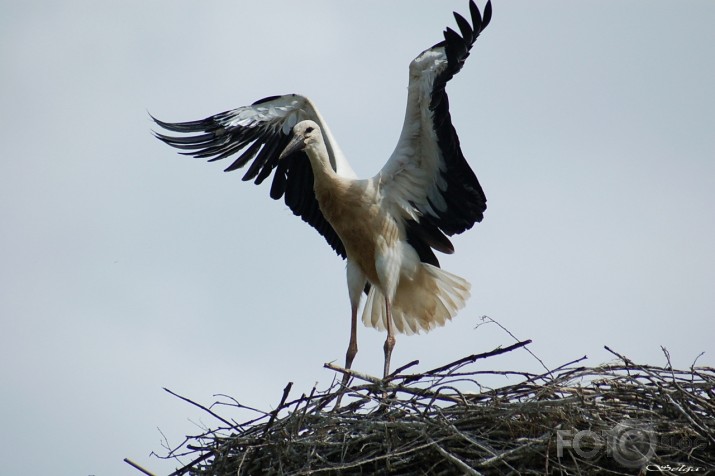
<point x="457" y="45"/>
<point x="469" y="33"/>
<point x="197" y="145"/>
<point x="169" y="126"/>
<point x="201" y="139"/>
<point x="480" y="19"/>
<point x="464" y="27"/>
<point x="487" y="15"/>
<point x="215" y="139"/>
<point x="208" y="124"/>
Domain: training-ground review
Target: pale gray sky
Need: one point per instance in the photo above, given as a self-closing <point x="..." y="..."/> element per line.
<point x="125" y="268"/>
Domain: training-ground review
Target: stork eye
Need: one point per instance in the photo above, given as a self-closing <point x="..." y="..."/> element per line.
<point x="309" y="130"/>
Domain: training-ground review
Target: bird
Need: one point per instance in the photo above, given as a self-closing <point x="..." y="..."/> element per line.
<point x="387" y="227"/>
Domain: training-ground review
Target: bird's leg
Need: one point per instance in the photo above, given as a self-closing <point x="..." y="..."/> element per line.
<point x="350" y="354"/>
<point x="352" y="347"/>
<point x="356" y="284"/>
<point x="390" y="341"/>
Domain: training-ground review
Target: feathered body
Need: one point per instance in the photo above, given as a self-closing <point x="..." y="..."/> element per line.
<point x="372" y="229"/>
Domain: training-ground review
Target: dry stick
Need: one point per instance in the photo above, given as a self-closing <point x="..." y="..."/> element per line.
<point x="134" y="465"/>
<point x="466" y="469"/>
<point x="625" y="359"/>
<point x="392" y="387"/>
<point x="337" y="469"/>
<point x="353" y="373"/>
<point x="292" y="402"/>
<point x="502" y="456"/>
<point x="309" y="399"/>
<point x="677" y="385"/>
<point x="473" y="358"/>
<point x="472" y="441"/>
<point x="672" y="401"/>
<point x="305" y="409"/>
<point x="400" y="369"/>
<point x="417" y="392"/>
<point x="409" y="378"/>
<point x="236" y="403"/>
<point x="243" y="458"/>
<point x="560" y="367"/>
<point x="274" y="413"/>
<point x="207" y="410"/>
<point x="692" y="366"/>
<point x="165" y="440"/>
<point x="209" y="452"/>
<point x="515" y="338"/>
<point x="692" y="421"/>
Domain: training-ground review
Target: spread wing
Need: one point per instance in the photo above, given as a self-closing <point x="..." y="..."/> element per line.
<point x="259" y="133"/>
<point x="427" y="176"/>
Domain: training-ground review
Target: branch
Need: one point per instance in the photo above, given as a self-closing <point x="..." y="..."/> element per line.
<point x="207" y="410"/>
<point x="475" y="357"/>
<point x="136" y="466"/>
<point x="274" y="413"/>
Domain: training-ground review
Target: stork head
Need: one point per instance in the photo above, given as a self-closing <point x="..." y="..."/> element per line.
<point x="306" y="135"/>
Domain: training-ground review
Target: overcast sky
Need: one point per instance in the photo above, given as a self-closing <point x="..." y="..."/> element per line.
<point x="125" y="268"/>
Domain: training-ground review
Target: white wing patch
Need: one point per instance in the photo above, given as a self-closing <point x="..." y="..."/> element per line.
<point x="412" y="177"/>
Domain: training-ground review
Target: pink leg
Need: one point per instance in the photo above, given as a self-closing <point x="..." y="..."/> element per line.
<point x="356" y="284"/>
<point x="390" y="341"/>
<point x="352" y="347"/>
<point x="349" y="355"/>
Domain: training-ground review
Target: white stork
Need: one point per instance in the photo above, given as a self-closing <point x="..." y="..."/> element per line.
<point x="386" y="226"/>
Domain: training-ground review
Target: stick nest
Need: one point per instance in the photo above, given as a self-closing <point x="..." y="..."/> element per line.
<point x="617" y="418"/>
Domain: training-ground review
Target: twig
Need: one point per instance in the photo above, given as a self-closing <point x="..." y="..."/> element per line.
<point x="136" y="466"/>
<point x="353" y="373"/>
<point x="475" y="357"/>
<point x="274" y="413"/>
<point x="207" y="410"/>
<point x="691" y="420"/>
<point x="192" y="464"/>
<point x="402" y="369"/>
<point x="464" y="467"/>
<point x="502" y="457"/>
<point x="518" y="340"/>
<point x="379" y="384"/>
<point x="625" y="359"/>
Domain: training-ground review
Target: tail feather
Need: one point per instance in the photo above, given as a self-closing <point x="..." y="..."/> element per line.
<point x="429" y="300"/>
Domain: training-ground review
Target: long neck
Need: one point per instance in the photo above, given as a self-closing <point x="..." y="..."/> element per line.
<point x="329" y="187"/>
<point x="320" y="162"/>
